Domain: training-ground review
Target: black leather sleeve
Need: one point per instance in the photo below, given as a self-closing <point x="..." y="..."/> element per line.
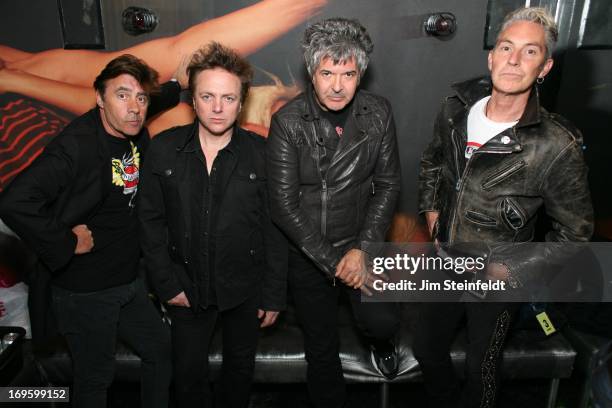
<point x="386" y="180"/>
<point x="431" y="169"/>
<point x="567" y="202"/>
<point x="284" y="187"/>
<point x="567" y="198"/>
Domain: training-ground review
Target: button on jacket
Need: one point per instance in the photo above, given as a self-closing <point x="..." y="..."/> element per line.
<point x="494" y="197"/>
<point x="250" y="252"/>
<point x="328" y="203"/>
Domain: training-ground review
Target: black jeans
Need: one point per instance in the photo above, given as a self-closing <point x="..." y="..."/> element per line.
<point x="191" y="336"/>
<point x="487" y="325"/>
<point x="316" y="302"/>
<point x="92" y="322"/>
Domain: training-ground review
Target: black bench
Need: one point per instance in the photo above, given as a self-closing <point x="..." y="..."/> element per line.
<point x="280" y="358"/>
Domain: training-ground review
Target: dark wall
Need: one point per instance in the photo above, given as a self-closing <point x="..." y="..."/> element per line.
<point x="174" y="17"/>
<point x="31" y="25"/>
<point x="413" y="71"/>
<point x="585" y="98"/>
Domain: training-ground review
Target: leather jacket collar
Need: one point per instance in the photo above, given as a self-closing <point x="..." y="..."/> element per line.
<point x="473" y="90"/>
<point x="311" y="111"/>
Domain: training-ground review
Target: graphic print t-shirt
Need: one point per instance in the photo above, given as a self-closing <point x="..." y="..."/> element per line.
<point x="116" y="252"/>
<point x="482" y="129"/>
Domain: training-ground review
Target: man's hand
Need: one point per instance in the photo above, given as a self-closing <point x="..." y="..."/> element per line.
<point x="179" y="300"/>
<point x="497" y="272"/>
<point x="352" y="269"/>
<point x="431" y="217"/>
<point x="85" y="241"/>
<point x="269" y="317"/>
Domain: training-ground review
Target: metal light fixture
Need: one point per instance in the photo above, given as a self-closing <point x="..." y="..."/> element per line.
<point x="440" y="24"/>
<point x="139" y="20"/>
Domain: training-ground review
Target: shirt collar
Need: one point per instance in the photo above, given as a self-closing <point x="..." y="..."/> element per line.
<point x="192" y="142"/>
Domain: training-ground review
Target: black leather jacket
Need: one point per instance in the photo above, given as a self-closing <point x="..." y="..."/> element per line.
<point x="327" y="205"/>
<point x="494" y="197"/>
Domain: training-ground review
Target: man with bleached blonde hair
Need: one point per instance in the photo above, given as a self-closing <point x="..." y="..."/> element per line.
<point x="496" y="158"/>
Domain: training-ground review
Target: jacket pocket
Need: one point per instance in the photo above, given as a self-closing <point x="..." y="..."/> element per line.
<point x="497" y="177"/>
<point x="480" y="218"/>
<point x="512" y="213"/>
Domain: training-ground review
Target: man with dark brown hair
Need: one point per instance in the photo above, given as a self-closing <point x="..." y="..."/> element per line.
<point x="211" y="249"/>
<point x="74" y="207"/>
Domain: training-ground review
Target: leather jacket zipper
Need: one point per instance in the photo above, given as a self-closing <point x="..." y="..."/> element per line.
<point x="323" y="185"/>
<point x="459" y="185"/>
<point x="323" y="207"/>
<point x="323" y="202"/>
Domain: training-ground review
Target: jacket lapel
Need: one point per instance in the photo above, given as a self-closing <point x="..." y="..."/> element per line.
<point x="355" y="131"/>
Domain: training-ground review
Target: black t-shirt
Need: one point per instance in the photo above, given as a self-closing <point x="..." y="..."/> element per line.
<point x="115" y="256"/>
<point x="330" y="140"/>
<point x="337" y="118"/>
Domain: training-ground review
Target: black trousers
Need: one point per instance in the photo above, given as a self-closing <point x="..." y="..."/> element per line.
<point x="91" y="323"/>
<point x="316" y="302"/>
<point x="487" y="325"/>
<point x="191" y="337"/>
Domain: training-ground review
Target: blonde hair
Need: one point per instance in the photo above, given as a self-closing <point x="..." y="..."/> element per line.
<point x="539" y="16"/>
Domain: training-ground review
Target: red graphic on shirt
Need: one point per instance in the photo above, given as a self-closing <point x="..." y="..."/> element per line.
<point x="471" y="147"/>
<point x="339" y="130"/>
<point x="130" y="178"/>
<point x="126" y="173"/>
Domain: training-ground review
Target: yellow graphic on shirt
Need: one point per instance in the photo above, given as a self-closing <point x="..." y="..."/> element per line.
<point x="126" y="170"/>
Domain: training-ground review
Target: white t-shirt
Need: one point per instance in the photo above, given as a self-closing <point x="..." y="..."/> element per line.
<point x="481" y="129"/>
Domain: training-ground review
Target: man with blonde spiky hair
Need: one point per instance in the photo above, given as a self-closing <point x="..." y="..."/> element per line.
<point x="497" y="157"/>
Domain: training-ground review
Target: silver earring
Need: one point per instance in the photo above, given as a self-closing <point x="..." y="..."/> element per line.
<point x="540" y="80"/>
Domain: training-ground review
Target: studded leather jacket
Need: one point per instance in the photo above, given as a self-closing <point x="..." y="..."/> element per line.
<point x="494" y="197"/>
<point x="329" y="201"/>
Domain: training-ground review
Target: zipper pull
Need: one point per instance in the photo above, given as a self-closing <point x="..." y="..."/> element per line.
<point x="458" y="185"/>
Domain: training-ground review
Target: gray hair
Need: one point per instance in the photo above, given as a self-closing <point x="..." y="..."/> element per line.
<point x="539" y="16"/>
<point x="339" y="39"/>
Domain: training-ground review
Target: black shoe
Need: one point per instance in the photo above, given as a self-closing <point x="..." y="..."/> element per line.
<point x="386" y="362"/>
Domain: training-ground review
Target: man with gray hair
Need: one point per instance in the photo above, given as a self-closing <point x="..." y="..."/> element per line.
<point x="334" y="180"/>
<point x="496" y="159"/>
